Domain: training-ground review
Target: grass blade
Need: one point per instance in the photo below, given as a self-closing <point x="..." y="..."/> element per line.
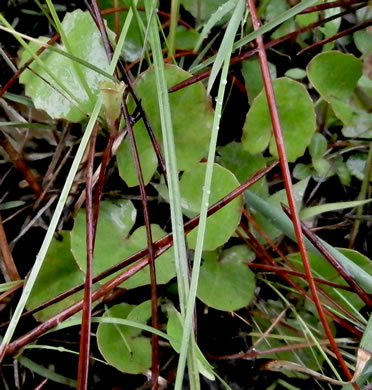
<point x="224" y="54"/>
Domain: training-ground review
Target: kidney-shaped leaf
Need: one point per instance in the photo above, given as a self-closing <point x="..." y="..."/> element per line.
<point x="243" y="165"/>
<point x="226" y="283"/>
<point x="192" y="116"/>
<point x="297" y="117"/>
<point x="58" y="273"/>
<point x="113" y="243"/>
<point x="164" y="265"/>
<point x="122" y="346"/>
<point x="334" y="74"/>
<point x="221" y="225"/>
<point x="115" y="220"/>
<point x="85" y="41"/>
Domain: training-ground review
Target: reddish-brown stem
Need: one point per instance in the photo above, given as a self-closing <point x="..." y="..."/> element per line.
<point x="284" y="348"/>
<point x="277" y="269"/>
<point x="328" y="256"/>
<point x="269" y="90"/>
<point x="332" y="4"/>
<point x="7" y="254"/>
<point x="83" y="365"/>
<point x="161" y="246"/>
<point x="150" y="250"/>
<point x="341" y="34"/>
<point x="21" y="165"/>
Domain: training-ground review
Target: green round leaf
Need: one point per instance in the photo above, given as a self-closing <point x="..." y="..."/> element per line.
<point x="359" y="126"/>
<point x="363" y="41"/>
<point x="58" y="273"/>
<point x="186" y="38"/>
<point x="164" y="264"/>
<point x="295" y="73"/>
<point x="301" y="171"/>
<point x="356" y="164"/>
<point x="192" y="118"/>
<point x="121" y="345"/>
<point x="251" y="72"/>
<point x="221" y="225"/>
<point x="226" y="283"/>
<point x="318" y="146"/>
<point x="334" y="74"/>
<point x="77" y="25"/>
<point x="243" y="165"/>
<point x="116" y="218"/>
<point x="297" y="117"/>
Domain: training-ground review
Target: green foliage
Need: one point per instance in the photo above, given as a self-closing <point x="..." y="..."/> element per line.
<point x="49" y="97"/>
<point x="132" y="49"/>
<point x="251" y="72"/>
<point x="58" y="274"/>
<point x="323" y="269"/>
<point x="192" y="116"/>
<point x="297" y="120"/>
<point x="243" y="165"/>
<point x="225" y="282"/>
<point x="203" y="10"/>
<point x="115" y="221"/>
<point x="122" y="346"/>
<point x="222" y="224"/>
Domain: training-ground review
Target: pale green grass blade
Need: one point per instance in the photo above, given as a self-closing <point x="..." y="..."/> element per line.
<point x="310" y="212"/>
<point x="60" y="349"/>
<point x="173" y="184"/>
<point x="264" y="29"/>
<point x="227" y="43"/>
<point x="18" y="99"/>
<point x="170" y="156"/>
<point x="215" y="18"/>
<point x="175" y="7"/>
<point x="8" y="285"/>
<point x="62" y="199"/>
<point x="46" y="373"/>
<point x="282" y="222"/>
<point x="225" y="50"/>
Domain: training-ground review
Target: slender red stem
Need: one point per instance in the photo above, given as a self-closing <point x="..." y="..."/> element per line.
<point x="150" y="248"/>
<point x="341" y="34"/>
<point x="278" y="134"/>
<point x="83" y="365"/>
